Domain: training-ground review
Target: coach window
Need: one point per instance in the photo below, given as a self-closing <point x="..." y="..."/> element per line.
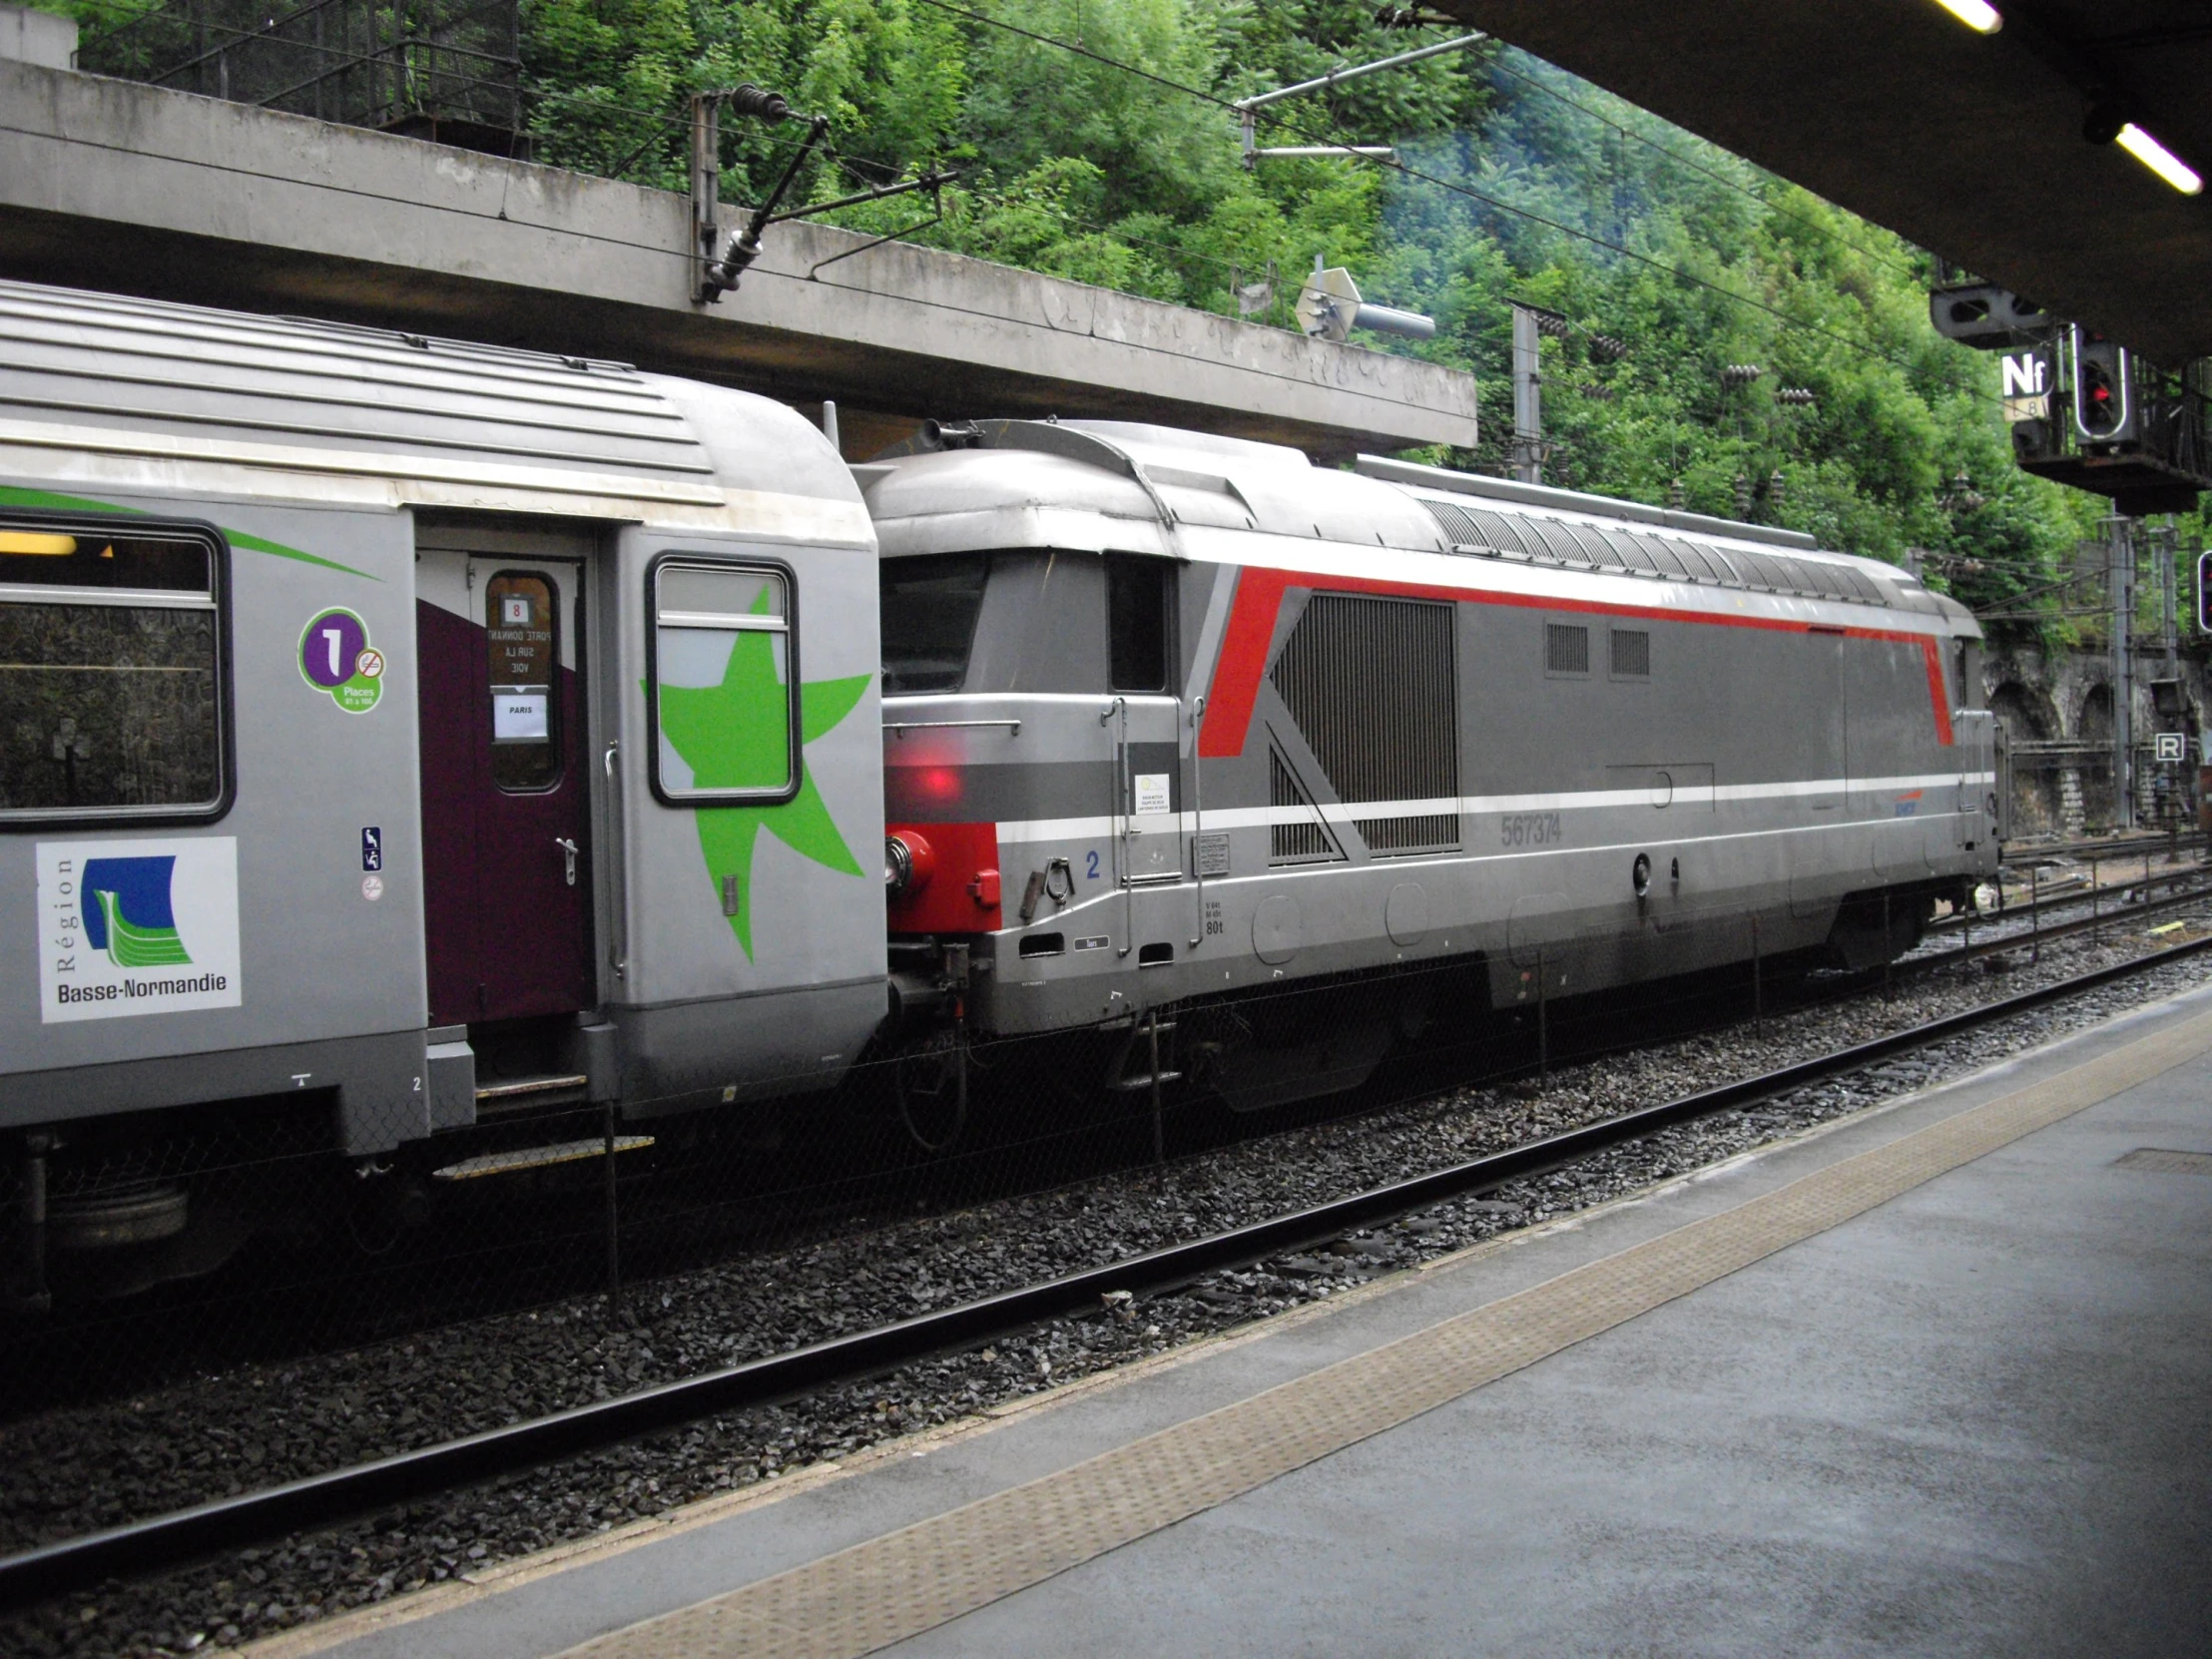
<point x="1137" y="623"/>
<point x="724" y="684"/>
<point x="111" y="673"/>
<point x="522" y="631"/>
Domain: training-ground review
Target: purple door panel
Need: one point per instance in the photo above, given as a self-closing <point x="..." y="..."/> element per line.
<point x="504" y="800"/>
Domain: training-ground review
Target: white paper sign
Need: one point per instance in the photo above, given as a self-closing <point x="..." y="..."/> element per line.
<point x="137" y="926"/>
<point x="1151" y="791"/>
<point x="518" y="716"/>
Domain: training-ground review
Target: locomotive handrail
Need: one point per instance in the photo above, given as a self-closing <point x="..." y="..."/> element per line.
<point x="1198" y="821"/>
<point x="618" y="889"/>
<point x="903" y="727"/>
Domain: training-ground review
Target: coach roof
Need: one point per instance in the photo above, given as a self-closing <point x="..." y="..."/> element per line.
<point x="310" y="397"/>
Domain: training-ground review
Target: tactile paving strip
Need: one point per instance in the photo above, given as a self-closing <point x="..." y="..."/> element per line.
<point x="921" y="1576"/>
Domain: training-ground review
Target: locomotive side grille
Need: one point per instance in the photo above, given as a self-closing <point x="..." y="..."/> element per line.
<point x="1632" y="653"/>
<point x="1566" y="648"/>
<point x="1424" y="833"/>
<point x="1372" y="685"/>
<point x="1293" y="843"/>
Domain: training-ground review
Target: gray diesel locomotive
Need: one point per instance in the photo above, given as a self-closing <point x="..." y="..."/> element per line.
<point x="399" y="736"/>
<point x="1170" y="717"/>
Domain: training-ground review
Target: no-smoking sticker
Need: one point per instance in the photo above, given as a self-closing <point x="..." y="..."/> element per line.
<point x="335" y="657"/>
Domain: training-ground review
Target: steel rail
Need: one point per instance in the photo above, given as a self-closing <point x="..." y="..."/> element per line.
<point x="2098" y="850"/>
<point x="2120" y="916"/>
<point x="2199" y="885"/>
<point x="181" y="1536"/>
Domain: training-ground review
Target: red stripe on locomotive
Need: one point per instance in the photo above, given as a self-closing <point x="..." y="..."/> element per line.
<point x="1259" y="605"/>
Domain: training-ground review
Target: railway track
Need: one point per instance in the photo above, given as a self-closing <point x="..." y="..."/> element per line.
<point x="166" y="1540"/>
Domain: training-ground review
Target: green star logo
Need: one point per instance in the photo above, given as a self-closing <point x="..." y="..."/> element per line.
<point x="734" y="735"/>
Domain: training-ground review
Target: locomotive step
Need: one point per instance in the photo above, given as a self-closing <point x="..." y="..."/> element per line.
<point x="1145" y="1082"/>
<point x="527" y="1090"/>
<point x="537" y="1157"/>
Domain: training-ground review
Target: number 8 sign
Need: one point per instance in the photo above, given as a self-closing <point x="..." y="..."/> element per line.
<point x="335" y="657"/>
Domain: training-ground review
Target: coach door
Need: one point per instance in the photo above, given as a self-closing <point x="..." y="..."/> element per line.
<point x="505" y="790"/>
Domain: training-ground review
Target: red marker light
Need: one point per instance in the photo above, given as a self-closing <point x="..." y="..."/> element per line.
<point x="939" y="783"/>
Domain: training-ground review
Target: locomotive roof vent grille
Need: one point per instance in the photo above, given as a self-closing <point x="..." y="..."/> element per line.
<point x="1674" y="558"/>
<point x="1458" y="525"/>
<point x="1372" y="687"/>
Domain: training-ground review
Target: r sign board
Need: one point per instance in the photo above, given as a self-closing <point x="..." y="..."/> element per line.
<point x="2172" y="747"/>
<point x="137" y="926"/>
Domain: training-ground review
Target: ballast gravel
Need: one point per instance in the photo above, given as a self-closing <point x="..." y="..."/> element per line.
<point x="67" y="1472"/>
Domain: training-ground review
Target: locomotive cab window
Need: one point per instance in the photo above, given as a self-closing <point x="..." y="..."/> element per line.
<point x="1137" y="623"/>
<point x="112" y="673"/>
<point x="724" y="684"/>
<point x="929" y="608"/>
<point x="521" y="630"/>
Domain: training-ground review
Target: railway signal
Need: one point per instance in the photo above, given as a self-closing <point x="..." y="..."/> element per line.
<point x="2204" y="593"/>
<point x="1988" y="317"/>
<point x="2103" y="405"/>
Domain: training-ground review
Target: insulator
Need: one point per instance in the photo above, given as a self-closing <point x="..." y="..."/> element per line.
<point x="1740" y="374"/>
<point x="1774" y="489"/>
<point x="1607" y="349"/>
<point x="1801" y="396"/>
<point x="752" y="99"/>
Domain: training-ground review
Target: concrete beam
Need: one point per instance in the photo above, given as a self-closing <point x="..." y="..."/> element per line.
<point x="111" y="184"/>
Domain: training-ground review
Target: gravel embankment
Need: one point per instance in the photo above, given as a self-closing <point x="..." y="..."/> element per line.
<point x="72" y="1470"/>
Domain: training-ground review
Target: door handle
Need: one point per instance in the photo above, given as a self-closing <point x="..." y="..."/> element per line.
<point x="568" y="854"/>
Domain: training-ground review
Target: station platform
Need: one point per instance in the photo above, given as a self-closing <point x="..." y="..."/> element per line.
<point x="1935" y="1378"/>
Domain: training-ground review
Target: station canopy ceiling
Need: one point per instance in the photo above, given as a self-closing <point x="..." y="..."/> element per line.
<point x="1969" y="145"/>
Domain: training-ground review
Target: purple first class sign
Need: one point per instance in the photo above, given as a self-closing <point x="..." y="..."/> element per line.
<point x="330" y="647"/>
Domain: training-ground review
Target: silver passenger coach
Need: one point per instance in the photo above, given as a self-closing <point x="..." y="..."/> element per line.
<point x="414" y="730"/>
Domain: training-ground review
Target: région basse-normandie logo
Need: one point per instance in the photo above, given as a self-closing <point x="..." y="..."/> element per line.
<point x="128" y="912"/>
<point x="142" y="927"/>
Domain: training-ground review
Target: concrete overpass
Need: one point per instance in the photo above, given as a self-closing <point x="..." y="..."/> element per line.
<point x="111" y="184"/>
<point x="1971" y="145"/>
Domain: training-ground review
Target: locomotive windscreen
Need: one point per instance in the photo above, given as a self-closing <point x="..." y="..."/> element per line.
<point x="929" y="610"/>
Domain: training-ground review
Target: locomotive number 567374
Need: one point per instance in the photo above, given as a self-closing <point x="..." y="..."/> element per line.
<point x="1530" y="829"/>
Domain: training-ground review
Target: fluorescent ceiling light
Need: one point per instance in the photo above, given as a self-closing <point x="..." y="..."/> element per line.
<point x="2160" y="158"/>
<point x="1978" y="15"/>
